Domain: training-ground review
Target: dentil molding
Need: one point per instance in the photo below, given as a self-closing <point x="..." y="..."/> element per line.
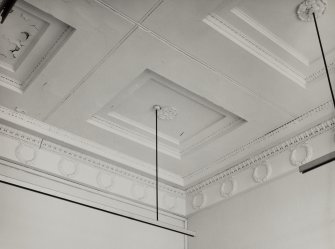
<point x="167" y="113"/>
<point x="66" y="166"/>
<point x="275" y="150"/>
<point x="61" y="135"/>
<point x="325" y="107"/>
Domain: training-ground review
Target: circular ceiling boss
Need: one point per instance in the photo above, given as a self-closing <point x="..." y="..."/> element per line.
<point x="306" y="9"/>
<point x="166" y="112"/>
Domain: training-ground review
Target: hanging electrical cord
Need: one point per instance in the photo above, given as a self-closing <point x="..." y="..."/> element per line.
<point x="156" y="108"/>
<point x="324" y="58"/>
<point x="330" y="156"/>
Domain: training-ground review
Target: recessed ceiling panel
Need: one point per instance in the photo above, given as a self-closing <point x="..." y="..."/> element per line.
<point x="29" y="39"/>
<point x="186" y="120"/>
<point x="273" y="32"/>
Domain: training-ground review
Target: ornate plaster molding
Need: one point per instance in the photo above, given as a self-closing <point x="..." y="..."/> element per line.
<point x="321" y="73"/>
<point x="97" y="163"/>
<point x="169" y="201"/>
<point x="167" y="113"/>
<point x="25" y="153"/>
<point x="20" y="135"/>
<point x="306" y="157"/>
<point x="275" y="150"/>
<point x="105" y="180"/>
<point x="259" y="178"/>
<point x="228" y="187"/>
<point x="198" y="200"/>
<point x="38" y="142"/>
<point x="321" y="108"/>
<point x="67" y="168"/>
<point x="138" y="191"/>
<point x="29" y="29"/>
<point x="306" y="9"/>
<point x="82" y="143"/>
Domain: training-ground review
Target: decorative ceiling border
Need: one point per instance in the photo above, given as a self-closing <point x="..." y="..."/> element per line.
<point x="321" y="73"/>
<point x="321" y="108"/>
<point x="275" y="150"/>
<point x="85" y="144"/>
<point x="77" y="156"/>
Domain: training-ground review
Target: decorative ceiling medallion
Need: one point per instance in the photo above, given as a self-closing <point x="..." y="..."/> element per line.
<point x="129" y="114"/>
<point x="228" y="188"/>
<point x="262" y="172"/>
<point x="308" y="7"/>
<point x="301" y="154"/>
<point x="167" y="113"/>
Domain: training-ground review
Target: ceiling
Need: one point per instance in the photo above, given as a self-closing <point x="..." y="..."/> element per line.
<point x="226" y="72"/>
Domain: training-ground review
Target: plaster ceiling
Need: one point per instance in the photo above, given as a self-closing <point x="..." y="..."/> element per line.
<point x="231" y="70"/>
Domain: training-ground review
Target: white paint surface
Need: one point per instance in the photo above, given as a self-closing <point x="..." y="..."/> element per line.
<point x="296" y="211"/>
<point x="32" y="221"/>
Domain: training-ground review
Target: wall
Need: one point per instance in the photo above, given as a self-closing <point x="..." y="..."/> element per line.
<point x="295" y="211"/>
<point x="32" y="221"/>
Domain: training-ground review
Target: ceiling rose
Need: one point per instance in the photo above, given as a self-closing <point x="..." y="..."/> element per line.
<point x="167" y="113"/>
<point x="308" y="7"/>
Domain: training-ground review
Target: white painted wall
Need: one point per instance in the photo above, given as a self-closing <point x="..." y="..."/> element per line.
<point x="295" y="211"/>
<point x="33" y="221"/>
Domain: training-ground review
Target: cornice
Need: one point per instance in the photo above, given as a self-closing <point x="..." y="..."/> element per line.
<point x="97" y="163"/>
<point x="321" y="72"/>
<point x="275" y="150"/>
<point x="82" y="143"/>
<point x="76" y="156"/>
<point x="321" y="108"/>
<point x="20" y="135"/>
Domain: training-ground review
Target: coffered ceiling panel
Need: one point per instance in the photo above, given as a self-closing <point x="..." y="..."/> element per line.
<point x="29" y="39"/>
<point x="292" y="51"/>
<point x="187" y="121"/>
<point x="73" y="37"/>
<point x="226" y="74"/>
<point x="113" y="107"/>
<point x="256" y="55"/>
